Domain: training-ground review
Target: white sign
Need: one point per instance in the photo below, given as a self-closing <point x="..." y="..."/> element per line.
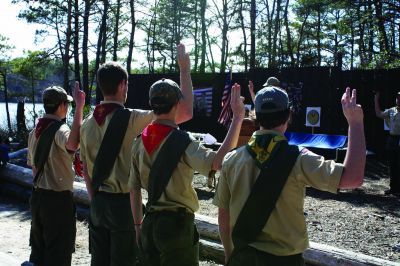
<point x="313" y="116"/>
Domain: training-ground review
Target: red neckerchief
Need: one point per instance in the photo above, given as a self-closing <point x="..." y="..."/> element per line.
<point x="153" y="135"/>
<point x="42" y="124"/>
<point x="102" y="110"/>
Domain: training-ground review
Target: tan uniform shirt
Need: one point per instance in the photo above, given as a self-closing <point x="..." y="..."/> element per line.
<point x="179" y="191"/>
<point x="285" y="233"/>
<point x="392" y="118"/>
<point x="91" y="136"/>
<point x="57" y="174"/>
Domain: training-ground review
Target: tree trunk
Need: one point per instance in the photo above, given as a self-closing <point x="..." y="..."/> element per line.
<point x="224" y="36"/>
<point x="103" y="31"/>
<point x="370" y="32"/>
<point x="76" y="42"/>
<point x="203" y="4"/>
<point x="4" y="74"/>
<point x="85" y="58"/>
<point x="132" y="36"/>
<point x="103" y="28"/>
<point x="67" y="48"/>
<point x="242" y="25"/>
<point x="301" y="33"/>
<point x="383" y="40"/>
<point x="212" y="61"/>
<point x="289" y="37"/>
<point x="319" y="57"/>
<point x="116" y="31"/>
<point x="196" y="33"/>
<point x="276" y="31"/>
<point x="361" y="30"/>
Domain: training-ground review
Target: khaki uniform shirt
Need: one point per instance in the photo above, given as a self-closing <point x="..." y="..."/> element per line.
<point x="91" y="136"/>
<point x="179" y="191"/>
<point x="392" y="119"/>
<point x="57" y="174"/>
<point x="285" y="233"/>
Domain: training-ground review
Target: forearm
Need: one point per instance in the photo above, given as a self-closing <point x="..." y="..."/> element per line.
<point x="225" y="232"/>
<point x="73" y="139"/>
<point x="378" y="111"/>
<point x="229" y="142"/>
<point x="185" y="107"/>
<point x="88" y="181"/>
<point x="354" y="162"/>
<point x="136" y="206"/>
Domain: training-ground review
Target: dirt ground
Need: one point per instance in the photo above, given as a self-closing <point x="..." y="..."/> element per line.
<point x="362" y="220"/>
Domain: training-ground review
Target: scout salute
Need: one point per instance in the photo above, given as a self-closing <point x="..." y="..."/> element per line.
<point x="51" y="148"/>
<point x="261" y="188"/>
<point x="164" y="159"/>
<point x="106" y="141"/>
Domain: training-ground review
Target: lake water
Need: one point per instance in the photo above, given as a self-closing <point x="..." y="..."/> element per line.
<point x="12" y="107"/>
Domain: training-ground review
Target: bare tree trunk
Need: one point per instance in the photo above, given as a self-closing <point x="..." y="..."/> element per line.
<point x="319" y="48"/>
<point x="103" y="31"/>
<point x="116" y="31"/>
<point x="203" y="4"/>
<point x="276" y="31"/>
<point x="383" y="40"/>
<point x="224" y="35"/>
<point x="153" y="45"/>
<point x="4" y="74"/>
<point x="85" y="58"/>
<point x="132" y="36"/>
<point x="242" y="25"/>
<point x="212" y="61"/>
<point x="67" y="48"/>
<point x="370" y="31"/>
<point x="103" y="28"/>
<point x="361" y="30"/>
<point x="253" y="11"/>
<point x="301" y="33"/>
<point x="196" y="30"/>
<point x="289" y="37"/>
<point x="76" y="42"/>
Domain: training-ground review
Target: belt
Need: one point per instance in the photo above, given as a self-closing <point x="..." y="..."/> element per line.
<point x="181" y="210"/>
<point x="51" y="192"/>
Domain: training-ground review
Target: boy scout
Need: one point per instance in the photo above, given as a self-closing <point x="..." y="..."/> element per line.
<point x="112" y="236"/>
<point x="261" y="220"/>
<point x="164" y="166"/>
<point x="51" y="146"/>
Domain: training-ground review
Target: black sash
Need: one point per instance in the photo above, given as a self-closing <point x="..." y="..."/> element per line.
<point x="263" y="197"/>
<point x="165" y="163"/>
<point x="110" y="147"/>
<point x="43" y="147"/>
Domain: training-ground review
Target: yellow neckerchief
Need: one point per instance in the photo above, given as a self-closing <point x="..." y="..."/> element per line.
<point x="262" y="147"/>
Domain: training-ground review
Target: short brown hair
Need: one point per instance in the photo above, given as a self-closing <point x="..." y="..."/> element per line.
<point x="109" y="76"/>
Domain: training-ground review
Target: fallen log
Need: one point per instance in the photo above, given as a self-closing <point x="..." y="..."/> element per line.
<point x="210" y="247"/>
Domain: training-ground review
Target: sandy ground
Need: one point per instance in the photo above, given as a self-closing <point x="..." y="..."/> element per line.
<point x="14" y="234"/>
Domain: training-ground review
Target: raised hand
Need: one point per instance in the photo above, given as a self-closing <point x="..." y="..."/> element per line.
<point x="251" y="90"/>
<point x="351" y="110"/>
<point x="79" y="95"/>
<point x="237" y="104"/>
<point x="183" y="58"/>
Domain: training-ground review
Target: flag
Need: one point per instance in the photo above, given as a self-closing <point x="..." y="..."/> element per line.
<point x="202" y="103"/>
<point x="226" y="115"/>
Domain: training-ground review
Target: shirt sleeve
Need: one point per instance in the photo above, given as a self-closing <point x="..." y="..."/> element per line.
<point x="82" y="148"/>
<point x="386" y="113"/>
<point x="222" y="193"/>
<point x="62" y="136"/>
<point x="199" y="158"/>
<point x="140" y="119"/>
<point x="29" y="157"/>
<point x="313" y="170"/>
<point x="134" y="175"/>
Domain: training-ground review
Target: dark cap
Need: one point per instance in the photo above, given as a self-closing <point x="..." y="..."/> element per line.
<point x="272" y="81"/>
<point x="54" y="95"/>
<point x="270" y="100"/>
<point x="164" y="92"/>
